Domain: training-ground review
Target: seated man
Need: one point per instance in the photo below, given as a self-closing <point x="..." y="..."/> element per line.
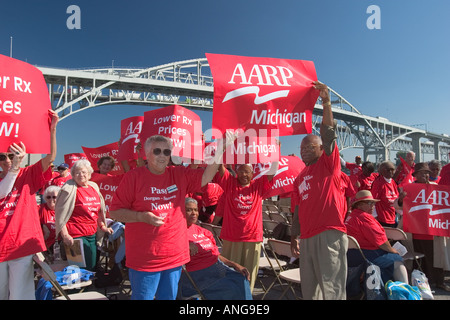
<point x="217" y="277"/>
<point x="373" y="241"/>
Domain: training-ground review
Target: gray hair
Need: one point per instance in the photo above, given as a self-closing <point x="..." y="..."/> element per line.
<point x="51" y="189"/>
<point x="189" y="200"/>
<point x="157" y="138"/>
<point x="83" y="163"/>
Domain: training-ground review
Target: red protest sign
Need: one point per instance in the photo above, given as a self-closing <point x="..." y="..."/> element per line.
<point x="107" y="185"/>
<point x="94" y="154"/>
<point x="289" y="168"/>
<point x="426" y="209"/>
<point x="181" y="125"/>
<point x="71" y="158"/>
<point x="130" y="129"/>
<point x="263" y="93"/>
<point x="24" y="105"/>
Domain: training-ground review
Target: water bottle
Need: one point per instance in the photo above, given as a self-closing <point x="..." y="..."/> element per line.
<point x="56" y="252"/>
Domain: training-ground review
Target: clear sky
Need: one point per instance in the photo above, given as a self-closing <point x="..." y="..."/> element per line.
<point x="400" y="72"/>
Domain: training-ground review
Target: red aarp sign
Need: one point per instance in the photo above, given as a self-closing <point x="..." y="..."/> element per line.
<point x="263" y="93"/>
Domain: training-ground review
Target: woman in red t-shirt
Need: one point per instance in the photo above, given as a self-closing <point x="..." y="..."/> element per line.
<point x="80" y="211"/>
<point x="47" y="215"/>
<point x="372" y="239"/>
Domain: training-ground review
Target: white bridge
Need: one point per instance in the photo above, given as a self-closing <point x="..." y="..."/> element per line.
<point x="189" y="83"/>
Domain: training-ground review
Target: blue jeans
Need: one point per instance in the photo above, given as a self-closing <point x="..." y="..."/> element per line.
<point x="161" y="285"/>
<point x="217" y="282"/>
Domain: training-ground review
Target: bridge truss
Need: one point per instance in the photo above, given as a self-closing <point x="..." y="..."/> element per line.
<point x="189" y="83"/>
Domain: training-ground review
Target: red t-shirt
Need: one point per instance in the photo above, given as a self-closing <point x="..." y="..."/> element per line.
<point x="318" y="194"/>
<point x="365" y="182"/>
<point x="47" y="218"/>
<point x="445" y="175"/>
<point x="211" y="194"/>
<point x="386" y="192"/>
<point x="365" y="229"/>
<point x="355" y="170"/>
<point x="242" y="208"/>
<point x="207" y="254"/>
<point x="84" y="218"/>
<point x="20" y="229"/>
<point x="60" y="181"/>
<point x="150" y="248"/>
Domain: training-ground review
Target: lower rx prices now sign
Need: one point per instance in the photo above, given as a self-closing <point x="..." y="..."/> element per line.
<point x="24" y="106"/>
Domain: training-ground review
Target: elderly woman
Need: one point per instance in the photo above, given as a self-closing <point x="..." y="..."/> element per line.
<point x="216" y="277"/>
<point x="372" y="239"/>
<point x="80" y="211"/>
<point x="47" y="215"/>
<point x="150" y="200"/>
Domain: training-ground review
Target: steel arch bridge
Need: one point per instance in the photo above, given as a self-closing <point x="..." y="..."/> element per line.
<point x="189" y="83"/>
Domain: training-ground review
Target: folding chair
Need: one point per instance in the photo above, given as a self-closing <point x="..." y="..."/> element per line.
<point x="268" y="226"/>
<point x="49" y="275"/>
<point x="216" y="233"/>
<point x="278" y="217"/>
<point x="291" y="276"/>
<point x="200" y="294"/>
<point x="269" y="264"/>
<point x="353" y="244"/>
<point x="397" y="234"/>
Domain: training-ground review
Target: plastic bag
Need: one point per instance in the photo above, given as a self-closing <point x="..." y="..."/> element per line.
<point x="397" y="290"/>
<point x="420" y="280"/>
<point x="374" y="285"/>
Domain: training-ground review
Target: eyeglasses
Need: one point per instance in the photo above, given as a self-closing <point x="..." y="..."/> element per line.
<point x="50" y="197"/>
<point x="166" y="152"/>
<point x="3" y="156"/>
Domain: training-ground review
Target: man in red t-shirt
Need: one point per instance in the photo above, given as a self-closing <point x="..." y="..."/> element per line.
<point x="386" y="190"/>
<point x="319" y="204"/>
<point x="366" y="177"/>
<point x="20" y="229"/>
<point x="64" y="175"/>
<point x="150" y="200"/>
<point x="355" y="168"/>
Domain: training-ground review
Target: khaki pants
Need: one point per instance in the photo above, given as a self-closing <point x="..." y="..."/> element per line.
<point x="17" y="279"/>
<point x="323" y="266"/>
<point x="247" y="254"/>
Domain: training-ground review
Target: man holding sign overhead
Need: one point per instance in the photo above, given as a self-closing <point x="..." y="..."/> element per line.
<point x="319" y="204"/>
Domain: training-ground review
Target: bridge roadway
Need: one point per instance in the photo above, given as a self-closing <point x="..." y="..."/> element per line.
<point x="189" y="83"/>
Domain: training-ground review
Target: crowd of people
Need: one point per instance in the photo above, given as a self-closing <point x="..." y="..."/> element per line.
<point x="161" y="207"/>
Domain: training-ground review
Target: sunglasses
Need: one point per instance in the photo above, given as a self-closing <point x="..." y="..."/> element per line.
<point x="50" y="197"/>
<point x="166" y="152"/>
<point x="3" y="156"/>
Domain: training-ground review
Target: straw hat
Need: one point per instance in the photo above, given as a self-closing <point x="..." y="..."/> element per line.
<point x="363" y="195"/>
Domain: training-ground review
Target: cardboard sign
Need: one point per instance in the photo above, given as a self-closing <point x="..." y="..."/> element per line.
<point x="130" y="129"/>
<point x="94" y="154"/>
<point x="263" y="93"/>
<point x="24" y="106"/>
<point x="181" y="125"/>
<point x="283" y="181"/>
<point x="71" y="158"/>
<point x="426" y="209"/>
<point x="107" y="185"/>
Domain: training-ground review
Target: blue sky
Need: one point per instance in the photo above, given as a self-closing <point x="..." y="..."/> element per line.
<point x="400" y="72"/>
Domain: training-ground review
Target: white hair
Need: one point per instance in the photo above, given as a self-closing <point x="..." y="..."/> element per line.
<point x="51" y="189"/>
<point x="83" y="163"/>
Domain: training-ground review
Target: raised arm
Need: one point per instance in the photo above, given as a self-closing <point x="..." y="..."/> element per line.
<point x="49" y="158"/>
